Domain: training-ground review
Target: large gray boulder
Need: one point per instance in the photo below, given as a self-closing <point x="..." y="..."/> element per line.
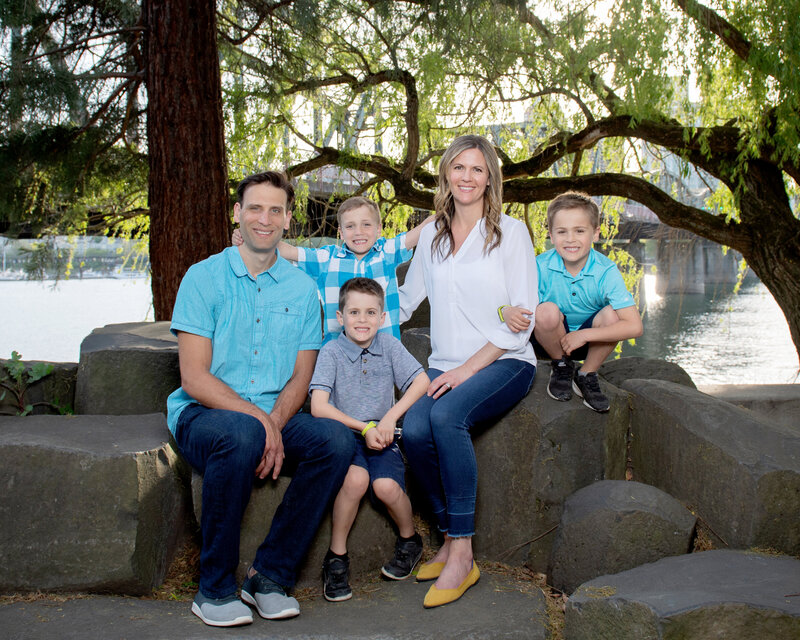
<point x="370" y="545"/>
<point x="618" y="371"/>
<point x="779" y="403"/>
<point x="614" y="525"/>
<point x="739" y="473"/>
<point x="53" y="394"/>
<point x="531" y="459"/>
<point x="127" y="369"/>
<point x="715" y="595"/>
<point x="91" y="503"/>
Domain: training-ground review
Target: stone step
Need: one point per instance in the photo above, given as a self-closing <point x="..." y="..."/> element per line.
<point x="714" y="595"/>
<point x="737" y="471"/>
<point x="496" y="607"/>
<point x="127" y="369"/>
<point x="615" y="525"/>
<point x="779" y="403"/>
<point x="91" y="503"/>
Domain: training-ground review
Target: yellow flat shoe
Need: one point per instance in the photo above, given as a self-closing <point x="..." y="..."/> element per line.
<point x="437" y="597"/>
<point x="429" y="571"/>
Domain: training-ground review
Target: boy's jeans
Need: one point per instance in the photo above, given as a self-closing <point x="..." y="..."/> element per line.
<point x="226" y="447"/>
<point x="438" y="443"/>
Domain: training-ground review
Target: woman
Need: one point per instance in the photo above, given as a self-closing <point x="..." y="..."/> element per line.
<point x="470" y="262"/>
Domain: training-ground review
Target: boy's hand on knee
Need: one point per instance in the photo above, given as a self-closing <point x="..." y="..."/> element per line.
<point x="517" y="318"/>
<point x="573" y="340"/>
<point x="374" y="439"/>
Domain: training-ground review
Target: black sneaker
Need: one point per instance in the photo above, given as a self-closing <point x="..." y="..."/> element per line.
<point x="560" y="385"/>
<point x="588" y="388"/>
<point x="269" y="598"/>
<point x="335" y="579"/>
<point x="406" y="555"/>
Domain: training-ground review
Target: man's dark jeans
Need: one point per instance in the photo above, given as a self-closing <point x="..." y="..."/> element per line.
<point x="226" y="447"/>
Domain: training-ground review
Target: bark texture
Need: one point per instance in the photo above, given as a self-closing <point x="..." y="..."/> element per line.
<point x="188" y="189"/>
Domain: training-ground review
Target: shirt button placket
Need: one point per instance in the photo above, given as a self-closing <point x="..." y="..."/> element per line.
<point x="258" y="310"/>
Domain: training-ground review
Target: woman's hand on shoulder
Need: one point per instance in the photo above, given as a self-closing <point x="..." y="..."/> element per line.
<point x="448" y="380"/>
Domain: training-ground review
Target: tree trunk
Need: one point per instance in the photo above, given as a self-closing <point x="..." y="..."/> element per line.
<point x="772" y="267"/>
<point x="774" y="256"/>
<point x="188" y="191"/>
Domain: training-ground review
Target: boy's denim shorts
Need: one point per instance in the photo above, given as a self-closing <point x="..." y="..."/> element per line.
<point x="386" y="463"/>
<point x="579" y="353"/>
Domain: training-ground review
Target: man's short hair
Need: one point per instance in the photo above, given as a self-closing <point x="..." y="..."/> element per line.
<point x="275" y="178"/>
<point x="573" y="200"/>
<point x="354" y="203"/>
<point x="361" y="285"/>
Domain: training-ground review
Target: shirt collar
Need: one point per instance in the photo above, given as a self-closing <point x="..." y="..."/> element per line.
<point x="240" y="270"/>
<point x="353" y="351"/>
<point x="344" y="250"/>
<point x="557" y="264"/>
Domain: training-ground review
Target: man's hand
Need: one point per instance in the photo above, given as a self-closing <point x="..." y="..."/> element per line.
<point x="272" y="460"/>
<point x="517" y="318"/>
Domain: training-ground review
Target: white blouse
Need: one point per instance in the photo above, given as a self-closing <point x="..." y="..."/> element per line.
<point x="465" y="291"/>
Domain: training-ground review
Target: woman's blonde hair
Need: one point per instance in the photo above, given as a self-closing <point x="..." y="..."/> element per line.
<point x="492" y="198"/>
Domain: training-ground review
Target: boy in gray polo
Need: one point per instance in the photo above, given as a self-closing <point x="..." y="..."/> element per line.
<point x="354" y="383"/>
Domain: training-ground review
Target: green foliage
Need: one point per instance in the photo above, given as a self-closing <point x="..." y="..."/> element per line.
<point x="340" y="91"/>
<point x="15" y="378"/>
<point x="72" y="127"/>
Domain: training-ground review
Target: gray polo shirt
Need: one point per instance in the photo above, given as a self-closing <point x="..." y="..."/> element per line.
<point x="362" y="381"/>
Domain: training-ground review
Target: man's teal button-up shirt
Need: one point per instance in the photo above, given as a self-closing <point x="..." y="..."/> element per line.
<point x="256" y="325"/>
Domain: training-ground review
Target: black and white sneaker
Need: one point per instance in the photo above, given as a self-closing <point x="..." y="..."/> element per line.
<point x="588" y="387"/>
<point x="560" y="385"/>
<point x="335" y="579"/>
<point x="406" y="555"/>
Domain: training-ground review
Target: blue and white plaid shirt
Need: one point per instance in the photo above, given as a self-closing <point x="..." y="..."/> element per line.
<point x="331" y="266"/>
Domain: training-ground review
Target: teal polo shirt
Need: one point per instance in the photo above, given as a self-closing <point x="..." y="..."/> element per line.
<point x="598" y="284"/>
<point x="256" y="325"/>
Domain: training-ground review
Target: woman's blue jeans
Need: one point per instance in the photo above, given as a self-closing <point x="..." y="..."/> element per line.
<point x="438" y="443"/>
<point x="226" y="447"/>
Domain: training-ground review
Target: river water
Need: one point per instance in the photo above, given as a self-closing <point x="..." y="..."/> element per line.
<point x="718" y="337"/>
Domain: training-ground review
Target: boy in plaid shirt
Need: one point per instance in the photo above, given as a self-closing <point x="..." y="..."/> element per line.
<point x="364" y="253"/>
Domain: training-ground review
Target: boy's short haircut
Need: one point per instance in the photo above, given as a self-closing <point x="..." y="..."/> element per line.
<point x="277" y="179"/>
<point x="573" y="200"/>
<point x="361" y="285"/>
<point x="354" y="203"/>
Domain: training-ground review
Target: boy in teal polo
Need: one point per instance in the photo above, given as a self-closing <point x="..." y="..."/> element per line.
<point x="584" y="307"/>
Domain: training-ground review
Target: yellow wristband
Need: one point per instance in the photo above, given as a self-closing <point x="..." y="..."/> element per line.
<point x="369" y="426"/>
<point x="500" y="312"/>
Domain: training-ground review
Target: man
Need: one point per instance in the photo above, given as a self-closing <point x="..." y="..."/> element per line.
<point x="248" y="327"/>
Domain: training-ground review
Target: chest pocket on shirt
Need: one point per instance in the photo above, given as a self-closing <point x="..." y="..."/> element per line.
<point x="285" y="324"/>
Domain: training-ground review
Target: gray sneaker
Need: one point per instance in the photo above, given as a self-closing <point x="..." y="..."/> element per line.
<point x="269" y="598"/>
<point x="222" y="612"/>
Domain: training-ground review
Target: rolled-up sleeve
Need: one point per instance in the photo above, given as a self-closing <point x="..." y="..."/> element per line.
<point x="414" y="290"/>
<point x="521" y="288"/>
